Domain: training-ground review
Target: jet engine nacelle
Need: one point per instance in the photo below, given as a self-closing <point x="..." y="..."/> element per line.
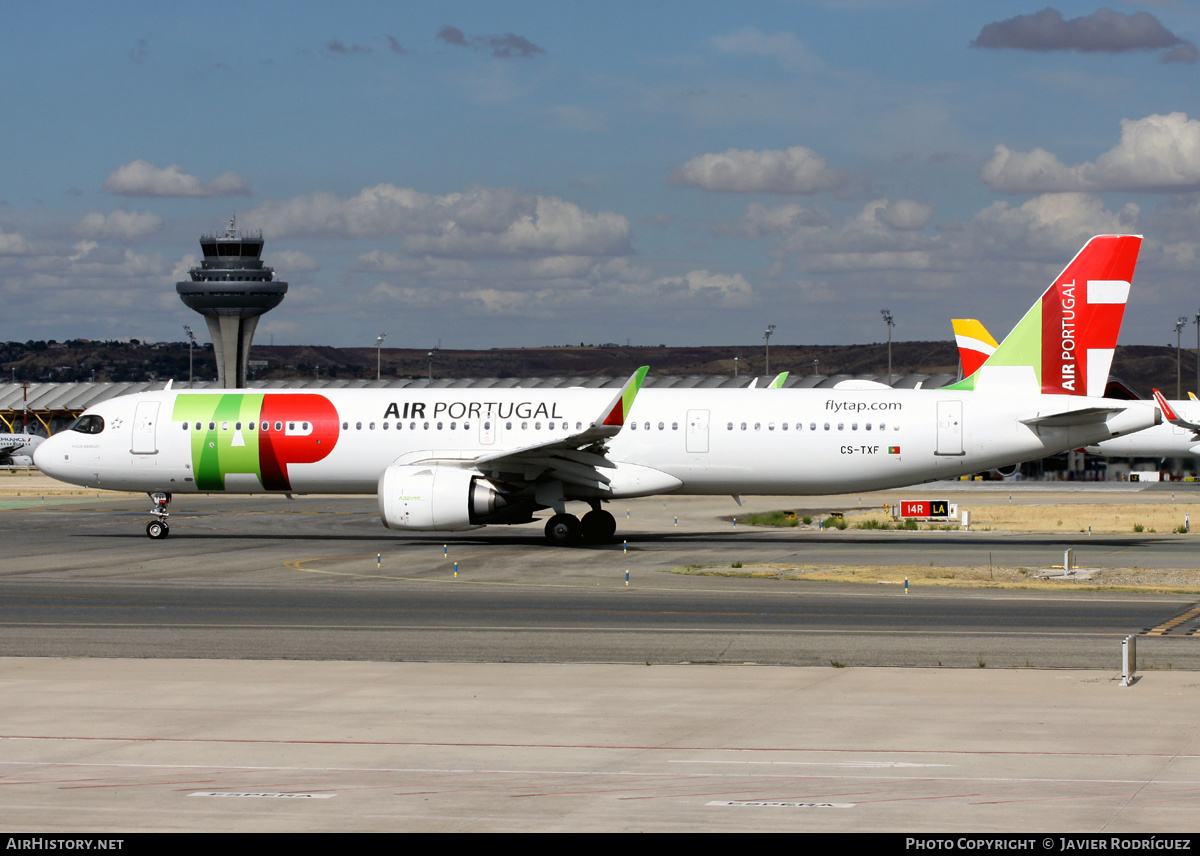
<point x="435" y="498"/>
<point x="20" y="462"/>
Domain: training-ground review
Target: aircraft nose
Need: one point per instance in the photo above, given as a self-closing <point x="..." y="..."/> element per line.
<point x="48" y="455"/>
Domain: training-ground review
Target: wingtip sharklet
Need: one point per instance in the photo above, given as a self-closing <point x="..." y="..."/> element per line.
<point x="618" y="410"/>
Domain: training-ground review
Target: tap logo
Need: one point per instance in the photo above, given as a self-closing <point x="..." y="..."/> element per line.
<point x="260" y="434"/>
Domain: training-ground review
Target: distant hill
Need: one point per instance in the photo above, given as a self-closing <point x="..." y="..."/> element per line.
<point x="1143" y="367"/>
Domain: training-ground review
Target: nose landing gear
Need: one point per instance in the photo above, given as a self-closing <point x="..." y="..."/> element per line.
<point x="158" y="528"/>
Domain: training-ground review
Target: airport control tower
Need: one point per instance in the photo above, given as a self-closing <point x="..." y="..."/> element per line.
<point x="231" y="288"/>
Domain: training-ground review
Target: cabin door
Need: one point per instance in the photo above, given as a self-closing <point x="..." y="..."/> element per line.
<point x="949" y="428"/>
<point x="697" y="430"/>
<point x="145" y="424"/>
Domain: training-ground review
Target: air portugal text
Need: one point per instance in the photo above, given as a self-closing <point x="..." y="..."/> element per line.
<point x="474" y="410"/>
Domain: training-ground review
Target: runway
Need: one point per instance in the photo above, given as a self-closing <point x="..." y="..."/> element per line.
<point x="319" y="578"/>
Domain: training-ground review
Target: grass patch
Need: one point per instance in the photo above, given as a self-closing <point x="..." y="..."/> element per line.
<point x="982" y="576"/>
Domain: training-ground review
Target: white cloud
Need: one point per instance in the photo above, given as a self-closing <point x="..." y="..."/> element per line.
<point x="904" y="215"/>
<point x="785" y="48"/>
<point x="697" y="285"/>
<point x="179" y="273"/>
<point x="1160" y="153"/>
<point x="142" y="178"/>
<point x="794" y="170"/>
<point x="12" y="244"/>
<point x="121" y="225"/>
<point x="781" y="219"/>
<point x="1051" y="226"/>
<point x="287" y="261"/>
<point x="478" y="223"/>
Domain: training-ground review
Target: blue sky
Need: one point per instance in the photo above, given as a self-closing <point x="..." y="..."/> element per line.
<point x="506" y="174"/>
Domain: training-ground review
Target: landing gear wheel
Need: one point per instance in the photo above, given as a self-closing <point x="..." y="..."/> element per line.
<point x="598" y="527"/>
<point x="564" y="530"/>
<point x="157" y="529"/>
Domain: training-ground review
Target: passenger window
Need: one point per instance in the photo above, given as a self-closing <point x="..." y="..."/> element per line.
<point x="385" y="426"/>
<point x="278" y="426"/>
<point x="770" y="426"/>
<point x="743" y="426"/>
<point x="212" y="426"/>
<point x="357" y="426"/>
<point x="853" y="426"/>
<point x="660" y="426"/>
<point x="237" y="426"/>
<point x="345" y="425"/>
<point x="841" y="426"/>
<point x="674" y="426"/>
<point x="186" y="426"/>
<point x="729" y="427"/>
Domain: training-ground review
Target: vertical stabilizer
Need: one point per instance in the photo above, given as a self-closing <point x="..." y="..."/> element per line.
<point x="1065" y="342"/>
<point x="975" y="344"/>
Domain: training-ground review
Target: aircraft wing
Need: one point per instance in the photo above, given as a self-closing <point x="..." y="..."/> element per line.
<point x="574" y="458"/>
<point x="571" y="458"/>
<point x="9" y="449"/>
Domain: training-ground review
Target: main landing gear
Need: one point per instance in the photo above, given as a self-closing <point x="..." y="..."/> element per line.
<point x="567" y="530"/>
<point x="158" y="528"/>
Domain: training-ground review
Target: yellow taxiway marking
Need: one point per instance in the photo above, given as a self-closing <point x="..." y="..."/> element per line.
<point x="1167" y="626"/>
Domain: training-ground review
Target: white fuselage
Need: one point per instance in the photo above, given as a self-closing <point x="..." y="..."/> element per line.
<point x="694" y="441"/>
<point x="18" y="449"/>
<point x="1161" y="441"/>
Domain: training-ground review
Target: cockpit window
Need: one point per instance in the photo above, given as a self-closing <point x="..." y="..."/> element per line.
<point x="89" y="423"/>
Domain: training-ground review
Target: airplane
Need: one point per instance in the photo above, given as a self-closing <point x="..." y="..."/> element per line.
<point x="1177" y="437"/>
<point x="456" y="459"/>
<point x="16" y="450"/>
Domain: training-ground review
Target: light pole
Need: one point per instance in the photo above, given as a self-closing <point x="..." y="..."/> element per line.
<point x="891" y="322"/>
<point x="1198" y="353"/>
<point x="816" y="366"/>
<point x="1180" y="323"/>
<point x="735" y="364"/>
<point x="767" y="339"/>
<point x="191" y="344"/>
<point x="431" y="365"/>
<point x="378" y="351"/>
